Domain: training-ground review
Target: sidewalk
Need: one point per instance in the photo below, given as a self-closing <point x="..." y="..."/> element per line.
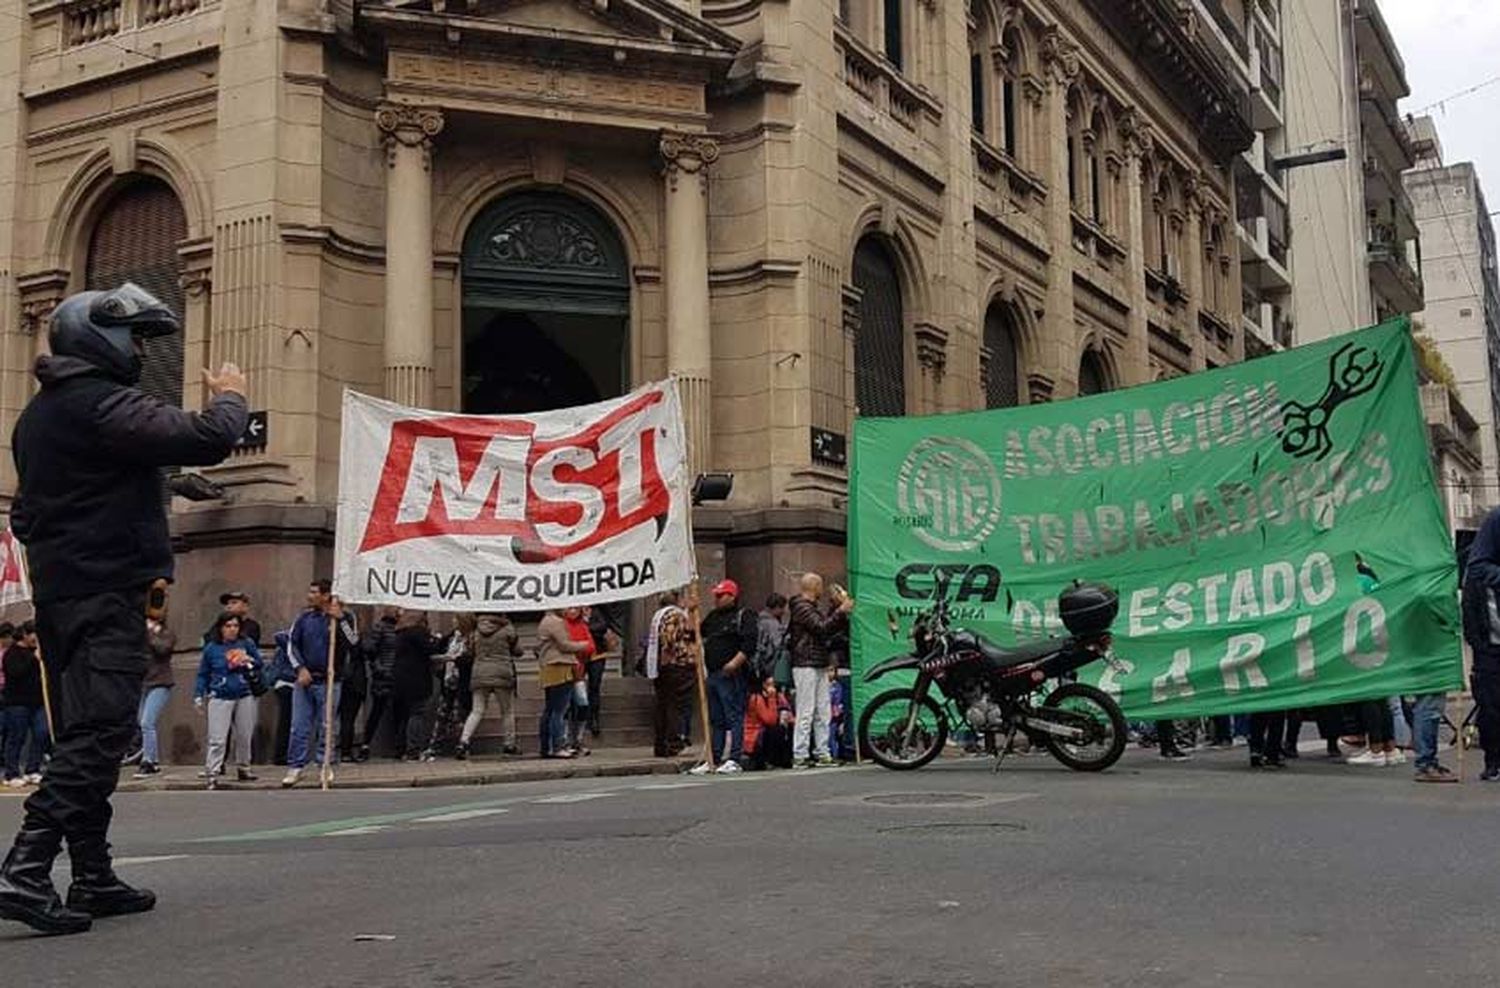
<point x="389" y="774"/>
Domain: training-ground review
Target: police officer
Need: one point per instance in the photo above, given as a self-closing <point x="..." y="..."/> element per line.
<point x="89" y="450"/>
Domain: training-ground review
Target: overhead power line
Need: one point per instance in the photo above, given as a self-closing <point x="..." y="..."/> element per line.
<point x="1458" y="95"/>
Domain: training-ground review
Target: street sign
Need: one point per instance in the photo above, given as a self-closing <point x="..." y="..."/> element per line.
<point x="257" y="431"/>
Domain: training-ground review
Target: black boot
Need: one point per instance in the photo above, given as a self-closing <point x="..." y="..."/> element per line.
<point x="96" y="889"/>
<point x="26" y="892"/>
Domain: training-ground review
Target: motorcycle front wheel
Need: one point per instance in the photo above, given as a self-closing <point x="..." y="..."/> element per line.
<point x="900" y="732"/>
<point x="1101" y="719"/>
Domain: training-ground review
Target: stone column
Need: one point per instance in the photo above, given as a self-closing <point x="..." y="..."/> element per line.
<point x="1138" y="143"/>
<point x="408" y="132"/>
<point x="685" y="162"/>
<point x="1059" y="349"/>
<point x="1192" y="267"/>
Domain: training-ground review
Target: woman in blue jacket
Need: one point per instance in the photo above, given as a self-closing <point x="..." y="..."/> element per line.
<point x="230" y="703"/>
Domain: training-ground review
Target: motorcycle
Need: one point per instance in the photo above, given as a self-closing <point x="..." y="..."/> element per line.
<point x="965" y="681"/>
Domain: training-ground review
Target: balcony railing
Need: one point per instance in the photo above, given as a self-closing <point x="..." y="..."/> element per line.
<point x="88" y="21"/>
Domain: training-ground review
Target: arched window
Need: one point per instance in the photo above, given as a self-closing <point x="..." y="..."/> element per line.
<point x="1161" y="206"/>
<point x="135" y="239"/>
<point x="1075" y="158"/>
<point x="1010" y="101"/>
<point x="895" y="49"/>
<point x="978" y="95"/>
<point x="880" y="343"/>
<point x="1002" y="378"/>
<point x="1216" y="277"/>
<point x="1092" y="377"/>
<point x="1098" y="181"/>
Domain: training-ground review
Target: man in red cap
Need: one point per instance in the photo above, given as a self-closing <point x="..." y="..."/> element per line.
<point x="730" y="634"/>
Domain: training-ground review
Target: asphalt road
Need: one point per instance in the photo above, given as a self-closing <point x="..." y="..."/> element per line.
<point x="1152" y="874"/>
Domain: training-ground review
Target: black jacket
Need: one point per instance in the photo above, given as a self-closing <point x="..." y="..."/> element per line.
<point x="23" y="678"/>
<point x="1481" y="595"/>
<point x="812" y="633"/>
<point x="89" y="506"/>
<point x="414" y="665"/>
<point x="726" y="632"/>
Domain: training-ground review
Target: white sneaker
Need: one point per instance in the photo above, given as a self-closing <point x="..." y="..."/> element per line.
<point x="1395" y="758"/>
<point x="730" y="768"/>
<point x="292" y="777"/>
<point x="34" y="779"/>
<point x="16" y="783"/>
<point x="1366" y="758"/>
<point x="700" y="769"/>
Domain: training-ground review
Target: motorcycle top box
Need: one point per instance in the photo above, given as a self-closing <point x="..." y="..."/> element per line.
<point x="1088" y="608"/>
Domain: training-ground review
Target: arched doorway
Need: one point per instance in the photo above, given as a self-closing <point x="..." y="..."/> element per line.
<point x="135" y="239"/>
<point x="546" y="306"/>
<point x="1002" y="378"/>
<point x="1093" y="376"/>
<point x="880" y="343"/>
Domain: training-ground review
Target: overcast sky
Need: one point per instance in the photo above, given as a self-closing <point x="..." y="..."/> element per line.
<point x="1449" y="46"/>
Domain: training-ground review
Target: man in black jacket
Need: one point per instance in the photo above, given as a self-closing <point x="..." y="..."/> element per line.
<point x="89" y="451"/>
<point x="730" y="634"/>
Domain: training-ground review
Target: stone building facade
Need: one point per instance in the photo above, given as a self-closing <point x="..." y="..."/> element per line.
<point x="805" y="209"/>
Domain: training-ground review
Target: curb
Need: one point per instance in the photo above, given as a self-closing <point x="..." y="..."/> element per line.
<point x="599" y="770"/>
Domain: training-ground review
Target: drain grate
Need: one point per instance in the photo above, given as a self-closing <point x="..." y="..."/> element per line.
<point x="924" y="798"/>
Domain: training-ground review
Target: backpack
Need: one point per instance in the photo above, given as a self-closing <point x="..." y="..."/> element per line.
<point x="772" y="654"/>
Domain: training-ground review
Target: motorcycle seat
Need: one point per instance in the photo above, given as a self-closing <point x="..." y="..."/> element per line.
<point x="1005" y="656"/>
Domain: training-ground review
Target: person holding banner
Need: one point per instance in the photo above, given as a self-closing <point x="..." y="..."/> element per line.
<point x="89" y="449"/>
<point x="308" y="648"/>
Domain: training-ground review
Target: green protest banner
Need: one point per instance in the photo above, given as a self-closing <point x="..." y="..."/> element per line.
<point x="1273" y="530"/>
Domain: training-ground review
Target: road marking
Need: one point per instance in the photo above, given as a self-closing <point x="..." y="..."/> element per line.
<point x="149" y="859"/>
<point x="353" y="831"/>
<point x="458" y="815"/>
<point x="664" y="786"/>
<point x="573" y="797"/>
<point x="333" y="826"/>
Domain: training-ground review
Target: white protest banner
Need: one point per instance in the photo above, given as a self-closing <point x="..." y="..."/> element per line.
<point x="15" y="588"/>
<point x="446" y="512"/>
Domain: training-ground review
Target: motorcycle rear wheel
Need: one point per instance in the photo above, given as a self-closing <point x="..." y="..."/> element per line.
<point x="892" y="748"/>
<point x="1106" y="744"/>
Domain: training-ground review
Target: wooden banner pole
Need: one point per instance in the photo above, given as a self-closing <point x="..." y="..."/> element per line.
<point x="700" y="665"/>
<point x="326" y="775"/>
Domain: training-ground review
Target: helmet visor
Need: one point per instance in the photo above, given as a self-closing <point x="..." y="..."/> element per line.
<point x="132" y="307"/>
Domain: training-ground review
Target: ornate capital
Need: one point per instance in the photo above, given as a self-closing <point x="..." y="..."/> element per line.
<point x="404" y="125"/>
<point x="1059" y="56"/>
<point x="687" y="154"/>
<point x="1139" y="141"/>
<point x="40" y="294"/>
<point x="1039" y="388"/>
<point x="1193" y="194"/>
<point x="932" y="348"/>
<point x="196" y="282"/>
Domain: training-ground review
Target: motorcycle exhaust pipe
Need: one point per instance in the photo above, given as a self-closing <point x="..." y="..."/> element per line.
<point x="1049" y="727"/>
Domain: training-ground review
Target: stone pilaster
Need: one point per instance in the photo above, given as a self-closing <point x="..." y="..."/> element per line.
<point x="1059" y="346"/>
<point x="1138" y="144"/>
<point x="408" y="132"/>
<point x="1192" y="266"/>
<point x="685" y="162"/>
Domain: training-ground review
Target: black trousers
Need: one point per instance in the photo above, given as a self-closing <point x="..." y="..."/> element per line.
<point x="283" y="724"/>
<point x="674" y="691"/>
<point x="380" y="703"/>
<point x="95" y="650"/>
<point x="411" y="716"/>
<point x="773" y="748"/>
<point x="1266" y="730"/>
<point x="596" y="690"/>
<point x="1485" y="684"/>
<point x="350" y="701"/>
<point x="1166" y="735"/>
<point x="1379" y="725"/>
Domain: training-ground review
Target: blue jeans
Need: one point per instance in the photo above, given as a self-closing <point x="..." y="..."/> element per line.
<point x="19" y="722"/>
<point x="554" y="728"/>
<point x="152" y="704"/>
<point x="307" y="724"/>
<point x="1426" y="718"/>
<point x="726" y="712"/>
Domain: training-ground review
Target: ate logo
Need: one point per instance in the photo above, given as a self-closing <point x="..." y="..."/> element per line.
<point x="952" y="485"/>
<point x="491" y="477"/>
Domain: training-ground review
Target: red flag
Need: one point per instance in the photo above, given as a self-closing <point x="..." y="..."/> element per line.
<point x="15" y="588"/>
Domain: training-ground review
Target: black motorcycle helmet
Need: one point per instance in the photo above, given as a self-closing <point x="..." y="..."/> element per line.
<point x="105" y="329"/>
